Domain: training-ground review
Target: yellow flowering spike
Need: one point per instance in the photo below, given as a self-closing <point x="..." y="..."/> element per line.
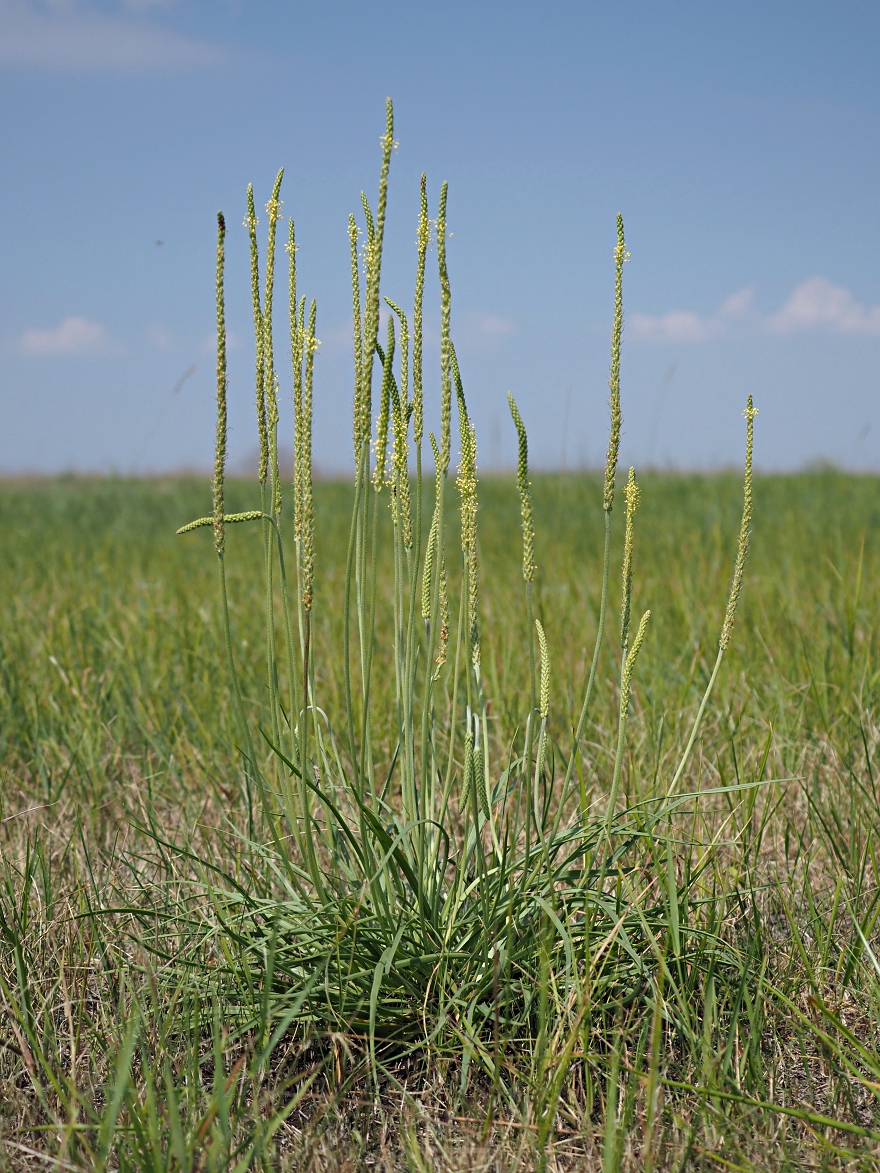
<point x="422" y="246"/>
<point x="220" y="445"/>
<point x="251" y="223"/>
<point x="360" y="413"/>
<point x="632" y="494"/>
<point x="545" y="671"/>
<point x="630" y="663"/>
<point x="387" y="359"/>
<point x="742" y="548"/>
<point x="621" y="256"/>
<point x="525" y="492"/>
<point x="228" y="519"/>
<point x="445" y="343"/>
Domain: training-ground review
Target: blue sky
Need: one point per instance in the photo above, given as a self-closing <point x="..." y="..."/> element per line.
<point x="740" y="141"/>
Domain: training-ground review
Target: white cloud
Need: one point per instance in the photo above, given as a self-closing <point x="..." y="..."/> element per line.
<point x="817" y="304"/>
<point x="208" y="344"/>
<point x="161" y="337"/>
<point x="483" y="331"/>
<point x="145" y="5"/>
<point x="686" y="326"/>
<point x="676" y="326"/>
<point x="492" y="325"/>
<point x="75" y="336"/>
<point x="77" y="36"/>
<point x="738" y="304"/>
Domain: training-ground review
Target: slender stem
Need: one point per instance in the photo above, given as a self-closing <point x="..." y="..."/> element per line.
<point x="250" y="756"/>
<point x="412" y="642"/>
<point x="530" y="614"/>
<point x="346" y="628"/>
<point x="527" y="774"/>
<point x="588" y="695"/>
<point x="367" y="743"/>
<point x="460" y="640"/>
<point x="305" y="677"/>
<point x="288" y="629"/>
<point x="417" y="544"/>
<point x="361" y="569"/>
<point x="698" y="720"/>
<point x="271" y="657"/>
<point x="305" y="766"/>
<point x="618" y="763"/>
<point x="428" y="747"/>
<point x="230" y="658"/>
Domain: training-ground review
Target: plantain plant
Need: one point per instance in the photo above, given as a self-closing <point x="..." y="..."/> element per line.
<point x="462" y="899"/>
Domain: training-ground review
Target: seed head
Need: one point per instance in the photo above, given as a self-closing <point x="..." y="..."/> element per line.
<point x="303" y="471"/>
<point x="422" y="246"/>
<point x="467" y="488"/>
<point x="545" y="671"/>
<point x="220" y="445"/>
<point x="443" y="592"/>
<point x="445" y="342"/>
<point x="525" y="493"/>
<point x="630" y="662"/>
<point x="428" y="570"/>
<point x="384" y="409"/>
<point x="621" y="256"/>
<point x="742" y="547"/>
<point x="632" y="494"/>
<point x="361" y="413"/>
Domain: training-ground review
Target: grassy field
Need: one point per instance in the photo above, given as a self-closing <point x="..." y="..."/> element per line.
<point x="385" y="825"/>
<point x="138" y="1030"/>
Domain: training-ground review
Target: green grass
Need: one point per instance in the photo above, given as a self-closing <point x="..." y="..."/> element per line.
<point x="117" y="725"/>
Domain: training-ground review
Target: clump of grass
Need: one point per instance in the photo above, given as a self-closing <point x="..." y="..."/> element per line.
<point x="461" y="900"/>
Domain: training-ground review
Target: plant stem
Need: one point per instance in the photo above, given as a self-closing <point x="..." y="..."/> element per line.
<point x="591" y="680"/>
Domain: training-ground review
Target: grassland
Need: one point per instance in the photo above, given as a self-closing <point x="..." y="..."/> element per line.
<point x="122" y="784"/>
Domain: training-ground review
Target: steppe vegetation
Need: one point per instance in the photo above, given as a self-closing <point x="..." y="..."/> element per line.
<point x="411" y="846"/>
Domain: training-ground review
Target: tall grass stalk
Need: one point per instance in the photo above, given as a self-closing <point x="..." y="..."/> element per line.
<point x="742" y="550"/>
<point x="528" y="534"/>
<point x="219" y="518"/>
<point x="620" y="258"/>
<point x="271" y="491"/>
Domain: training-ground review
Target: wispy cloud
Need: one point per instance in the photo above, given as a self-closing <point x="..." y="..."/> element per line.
<point x="686" y="326"/>
<point x="819" y="305"/>
<point x="145" y="5"/>
<point x="162" y="338"/>
<point x="491" y="325"/>
<point x="78" y="36"/>
<point x="676" y="326"/>
<point x="816" y="305"/>
<point x="75" y="336"/>
<point x="483" y="331"/>
<point x="737" y="305"/>
<point x="208" y="343"/>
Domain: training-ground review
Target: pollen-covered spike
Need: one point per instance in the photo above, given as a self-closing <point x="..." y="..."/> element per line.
<point x="251" y="223"/>
<point x="742" y="548"/>
<point x="632" y="494"/>
<point x="220" y="445"/>
<point x="629" y="665"/>
<point x="525" y="492"/>
<point x="445" y="313"/>
<point x="545" y="671"/>
<point x="384" y="409"/>
<point x="621" y="256"/>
